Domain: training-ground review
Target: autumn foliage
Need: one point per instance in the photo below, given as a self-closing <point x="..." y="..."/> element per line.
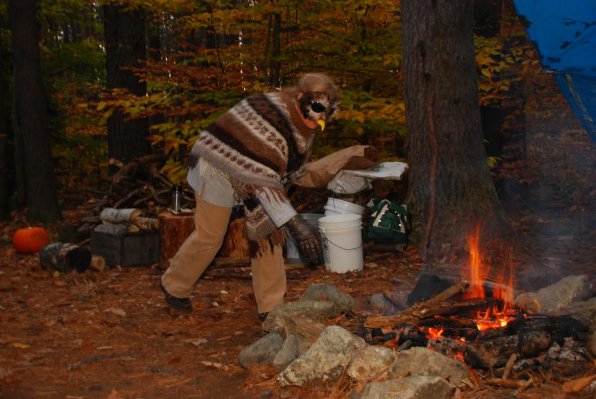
<point x="205" y="56"/>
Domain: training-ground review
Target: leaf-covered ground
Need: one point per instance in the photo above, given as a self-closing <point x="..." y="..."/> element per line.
<point x="108" y="334"/>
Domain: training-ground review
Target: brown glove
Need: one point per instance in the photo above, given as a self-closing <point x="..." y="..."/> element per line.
<point x="308" y="239"/>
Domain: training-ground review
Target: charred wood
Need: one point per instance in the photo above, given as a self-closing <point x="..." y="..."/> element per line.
<point x="415" y="313"/>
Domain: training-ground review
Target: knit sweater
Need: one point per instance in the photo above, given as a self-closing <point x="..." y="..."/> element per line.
<point x="257" y="143"/>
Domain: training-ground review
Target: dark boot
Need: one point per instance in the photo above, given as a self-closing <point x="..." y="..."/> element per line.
<point x="181" y="304"/>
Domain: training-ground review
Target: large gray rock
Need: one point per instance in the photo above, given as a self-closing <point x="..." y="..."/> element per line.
<point x="288" y="352"/>
<point x="316" y="310"/>
<point x="325" y="360"/>
<point x="381" y="304"/>
<point x="422" y="361"/>
<point x="370" y="362"/>
<point x="556" y="296"/>
<point x="413" y="387"/>
<point x="325" y="292"/>
<point x="584" y="311"/>
<point x="305" y="329"/>
<point x="262" y="351"/>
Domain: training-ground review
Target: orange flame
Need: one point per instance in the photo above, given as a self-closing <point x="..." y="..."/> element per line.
<point x="477" y="271"/>
<point x="434" y="333"/>
<point x="477" y="274"/>
<point x="493" y="318"/>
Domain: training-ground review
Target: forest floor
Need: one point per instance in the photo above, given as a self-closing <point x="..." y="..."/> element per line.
<point x="109" y="334"/>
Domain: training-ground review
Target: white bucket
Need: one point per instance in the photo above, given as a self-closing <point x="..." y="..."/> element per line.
<point x="342" y="242"/>
<point x="292" y="251"/>
<point x="336" y="206"/>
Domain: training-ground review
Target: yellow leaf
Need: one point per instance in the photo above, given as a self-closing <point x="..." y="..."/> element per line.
<point x="20" y="345"/>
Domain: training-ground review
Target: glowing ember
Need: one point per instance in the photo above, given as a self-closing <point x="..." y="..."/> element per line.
<point x="434" y="333"/>
<point x="493" y="318"/>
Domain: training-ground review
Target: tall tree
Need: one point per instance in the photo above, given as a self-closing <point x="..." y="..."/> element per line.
<point x="125" y="51"/>
<point x="450" y="187"/>
<point x="30" y="115"/>
<point x="4" y="113"/>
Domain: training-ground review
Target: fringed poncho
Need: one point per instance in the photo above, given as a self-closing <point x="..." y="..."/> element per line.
<point x="257" y="143"/>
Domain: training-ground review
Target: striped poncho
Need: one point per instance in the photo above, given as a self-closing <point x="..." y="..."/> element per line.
<point x="257" y="143"/>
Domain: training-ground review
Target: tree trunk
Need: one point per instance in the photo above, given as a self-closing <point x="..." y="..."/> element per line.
<point x="4" y="123"/>
<point x="450" y="188"/>
<point x="30" y="109"/>
<point x="275" y="78"/>
<point x="125" y="50"/>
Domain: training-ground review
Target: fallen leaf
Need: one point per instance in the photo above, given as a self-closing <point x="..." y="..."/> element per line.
<point x="116" y="311"/>
<point x="20" y="345"/>
<point x="59" y="283"/>
<point x="215" y="365"/>
<point x="196" y="342"/>
<point x="579" y="384"/>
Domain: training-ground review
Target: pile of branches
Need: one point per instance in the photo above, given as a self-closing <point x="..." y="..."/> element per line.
<point x="139" y="184"/>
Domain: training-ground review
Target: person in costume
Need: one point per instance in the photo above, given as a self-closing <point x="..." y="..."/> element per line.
<point x="247" y="156"/>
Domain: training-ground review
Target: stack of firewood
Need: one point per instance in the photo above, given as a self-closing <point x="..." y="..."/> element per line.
<point x="138" y="184"/>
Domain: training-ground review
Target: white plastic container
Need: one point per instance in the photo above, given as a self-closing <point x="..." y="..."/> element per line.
<point x="292" y="251"/>
<point x="336" y="206"/>
<point x="342" y="242"/>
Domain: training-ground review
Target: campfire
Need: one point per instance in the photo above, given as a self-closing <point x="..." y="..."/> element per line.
<point x="489" y="309"/>
<point x="475" y="320"/>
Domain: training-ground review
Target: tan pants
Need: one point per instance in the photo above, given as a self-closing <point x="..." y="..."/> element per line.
<point x="200" y="248"/>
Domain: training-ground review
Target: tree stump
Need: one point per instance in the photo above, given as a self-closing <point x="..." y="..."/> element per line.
<point x="235" y="243"/>
<point x="173" y="230"/>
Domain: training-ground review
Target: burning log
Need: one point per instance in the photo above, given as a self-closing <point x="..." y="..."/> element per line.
<point x="434" y="306"/>
<point x="525" y="336"/>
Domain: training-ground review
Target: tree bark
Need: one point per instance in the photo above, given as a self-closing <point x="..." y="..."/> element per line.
<point x="450" y="188"/>
<point x="125" y="51"/>
<point x="30" y="111"/>
<point x="4" y="123"/>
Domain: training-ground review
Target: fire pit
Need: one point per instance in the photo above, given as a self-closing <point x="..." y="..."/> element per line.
<point x="476" y="320"/>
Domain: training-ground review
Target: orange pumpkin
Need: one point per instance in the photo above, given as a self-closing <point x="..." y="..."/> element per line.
<point x="30" y="240"/>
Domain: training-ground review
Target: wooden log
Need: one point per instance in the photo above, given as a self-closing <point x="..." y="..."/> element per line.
<point x="112" y="215"/>
<point x="235" y="243"/>
<point x="113" y="229"/>
<point x="65" y="257"/>
<point x="491" y="352"/>
<point x="418" y="311"/>
<point x="173" y="230"/>
<point x="231" y="262"/>
<point x="145" y="223"/>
